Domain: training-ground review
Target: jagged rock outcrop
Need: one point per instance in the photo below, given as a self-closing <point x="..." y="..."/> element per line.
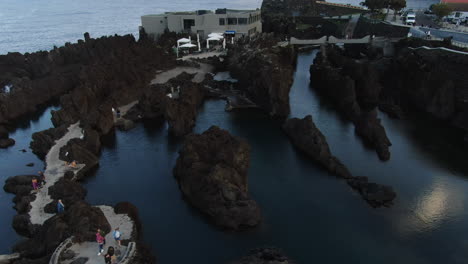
<point x="43" y="141"/>
<point x="77" y="151"/>
<point x="355" y="89"/>
<point x="66" y="190"/>
<point x="307" y="137"/>
<point x="5" y="141"/>
<point x="212" y="174"/>
<point x="97" y="74"/>
<point x="79" y="220"/>
<point x="428" y="81"/>
<point x="180" y="111"/>
<point x="264" y="256"/>
<point x="264" y="71"/>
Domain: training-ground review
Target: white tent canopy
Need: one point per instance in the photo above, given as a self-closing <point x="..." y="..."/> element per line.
<point x="183" y="40"/>
<point x="213" y="38"/>
<point x="219" y="35"/>
<point x="188" y="45"/>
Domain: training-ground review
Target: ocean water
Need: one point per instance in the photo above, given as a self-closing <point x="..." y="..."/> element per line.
<point x="32" y="25"/>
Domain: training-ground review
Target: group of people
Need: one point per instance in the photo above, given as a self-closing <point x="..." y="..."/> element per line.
<point x="110" y="257"/>
<point x="38" y="182"/>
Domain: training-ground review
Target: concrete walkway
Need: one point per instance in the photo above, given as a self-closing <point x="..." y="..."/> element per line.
<point x="90" y="250"/>
<point x="202" y="55"/>
<point x="55" y="169"/>
<point x="124" y="109"/>
<point x="164" y="77"/>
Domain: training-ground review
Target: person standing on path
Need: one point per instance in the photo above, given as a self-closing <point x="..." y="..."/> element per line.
<point x="60" y="207"/>
<point x="117" y="236"/>
<point x="100" y="241"/>
<point x="41" y="178"/>
<point x="34" y="184"/>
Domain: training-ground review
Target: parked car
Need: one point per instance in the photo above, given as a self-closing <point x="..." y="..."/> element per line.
<point x="410" y="19"/>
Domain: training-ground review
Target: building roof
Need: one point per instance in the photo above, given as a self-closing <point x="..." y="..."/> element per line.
<point x="181" y="13"/>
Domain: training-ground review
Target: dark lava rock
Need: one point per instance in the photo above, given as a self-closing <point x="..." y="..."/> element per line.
<point x="264" y="256"/>
<point x="68" y="191"/>
<point x="392" y="110"/>
<point x="78" y="151"/>
<point x="308" y="138"/>
<point x="125" y="124"/>
<point x="80" y="220"/>
<point x="132" y="211"/>
<point x="68" y="254"/>
<point x="181" y="113"/>
<point x="69" y="175"/>
<point x="152" y="104"/>
<point x="43" y="141"/>
<point x="354" y="88"/>
<point x="30" y="164"/>
<point x="19" y="185"/>
<point x="375" y="194"/>
<point x="3" y="132"/>
<point x="7" y="142"/>
<point x="265" y="73"/>
<point x="212" y="174"/>
<point x="23" y="226"/>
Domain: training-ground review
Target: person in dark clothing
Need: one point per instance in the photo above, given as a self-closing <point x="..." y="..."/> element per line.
<point x="108" y="258"/>
<point x="60" y="207"/>
<point x="42" y="181"/>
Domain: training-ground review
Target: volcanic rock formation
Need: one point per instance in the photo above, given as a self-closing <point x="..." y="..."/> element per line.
<point x="354" y="88"/>
<point x="265" y="72"/>
<point x="307" y="137"/>
<point x="212" y="174"/>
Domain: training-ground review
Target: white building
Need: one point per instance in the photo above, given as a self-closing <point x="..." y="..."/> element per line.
<point x="204" y="22"/>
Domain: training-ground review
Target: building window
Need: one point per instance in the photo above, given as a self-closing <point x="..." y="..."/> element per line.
<point x="242" y="21"/>
<point x="232" y="20"/>
<point x="189" y="23"/>
<point x="222" y="22"/>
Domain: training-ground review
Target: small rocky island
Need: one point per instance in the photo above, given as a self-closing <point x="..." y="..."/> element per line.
<point x="115" y="82"/>
<point x="212" y="174"/>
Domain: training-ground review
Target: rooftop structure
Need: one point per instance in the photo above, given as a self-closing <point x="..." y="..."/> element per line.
<point x="204" y="22"/>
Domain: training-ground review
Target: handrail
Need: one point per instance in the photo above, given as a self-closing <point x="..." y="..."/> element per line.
<point x="54" y="259"/>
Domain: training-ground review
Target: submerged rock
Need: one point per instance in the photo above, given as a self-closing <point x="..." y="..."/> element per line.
<point x="375" y="194"/>
<point x="212" y="174"/>
<point x="6" y="142"/>
<point x="264" y="256"/>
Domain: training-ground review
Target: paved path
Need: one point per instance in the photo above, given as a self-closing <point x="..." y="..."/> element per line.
<point x="55" y="169"/>
<point x="203" y="55"/>
<point x="331" y="40"/>
<point x="349" y="31"/>
<point x="90" y="249"/>
<point x="163" y="77"/>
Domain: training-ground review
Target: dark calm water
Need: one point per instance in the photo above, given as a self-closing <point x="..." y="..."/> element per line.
<point x="13" y="162"/>
<point x="311" y="215"/>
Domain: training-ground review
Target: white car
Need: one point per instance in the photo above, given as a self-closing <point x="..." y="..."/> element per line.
<point x="410" y="19"/>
